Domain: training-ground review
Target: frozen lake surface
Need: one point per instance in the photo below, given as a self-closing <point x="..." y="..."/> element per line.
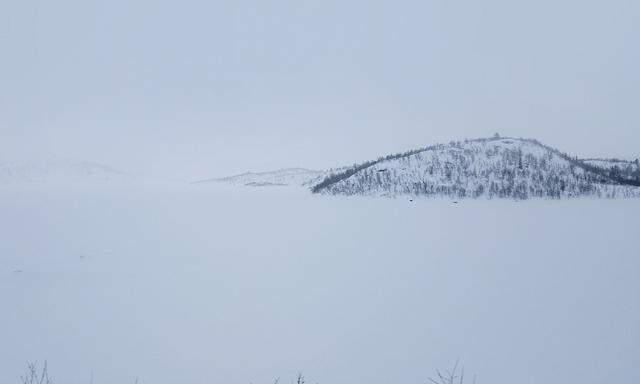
<point x="215" y="284"/>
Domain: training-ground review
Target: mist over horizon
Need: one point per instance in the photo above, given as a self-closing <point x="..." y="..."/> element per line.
<point x="200" y="89"/>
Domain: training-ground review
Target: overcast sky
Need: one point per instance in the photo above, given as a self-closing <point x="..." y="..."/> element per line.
<point x="207" y="88"/>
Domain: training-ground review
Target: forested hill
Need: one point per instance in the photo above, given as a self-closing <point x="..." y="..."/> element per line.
<point x="492" y="167"/>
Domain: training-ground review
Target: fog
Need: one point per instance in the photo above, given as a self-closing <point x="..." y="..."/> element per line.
<point x="203" y="88"/>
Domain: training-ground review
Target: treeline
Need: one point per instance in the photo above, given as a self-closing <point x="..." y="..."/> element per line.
<point x="346" y="173"/>
<point x="627" y="171"/>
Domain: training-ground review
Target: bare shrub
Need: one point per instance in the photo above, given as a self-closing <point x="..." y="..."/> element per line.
<point x="35" y="375"/>
<point x="450" y="376"/>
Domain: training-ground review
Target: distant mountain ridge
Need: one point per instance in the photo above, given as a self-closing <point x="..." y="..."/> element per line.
<point x="497" y="167"/>
<point x="59" y="171"/>
<point x="281" y="177"/>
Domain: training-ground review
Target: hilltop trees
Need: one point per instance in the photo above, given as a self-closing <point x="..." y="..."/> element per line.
<point x="493" y="168"/>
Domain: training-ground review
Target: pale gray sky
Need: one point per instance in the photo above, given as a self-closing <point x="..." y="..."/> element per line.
<point x="204" y="88"/>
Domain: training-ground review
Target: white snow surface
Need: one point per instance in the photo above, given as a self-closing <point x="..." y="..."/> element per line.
<point x="218" y="284"/>
<point x="281" y="177"/>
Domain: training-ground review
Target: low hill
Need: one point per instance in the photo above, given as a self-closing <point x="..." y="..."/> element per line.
<point x="492" y="167"/>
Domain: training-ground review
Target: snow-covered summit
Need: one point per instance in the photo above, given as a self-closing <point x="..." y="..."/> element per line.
<point x="493" y="167"/>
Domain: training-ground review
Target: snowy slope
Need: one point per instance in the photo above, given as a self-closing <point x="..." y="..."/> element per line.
<point x="59" y="172"/>
<point x="497" y="167"/>
<point x="288" y="176"/>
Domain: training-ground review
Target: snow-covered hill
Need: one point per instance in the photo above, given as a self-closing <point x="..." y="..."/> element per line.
<point x="288" y="176"/>
<point x="59" y="172"/>
<point x="492" y="167"/>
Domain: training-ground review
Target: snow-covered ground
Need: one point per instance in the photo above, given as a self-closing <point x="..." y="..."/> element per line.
<point x="211" y="283"/>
